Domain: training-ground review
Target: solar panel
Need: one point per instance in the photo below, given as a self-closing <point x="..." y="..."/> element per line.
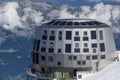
<point x="49" y="23"/>
<point x="63" y="23"/>
<point x="57" y="22"/>
<point x="83" y="23"/>
<point x="76" y="23"/>
<point x="69" y="23"/>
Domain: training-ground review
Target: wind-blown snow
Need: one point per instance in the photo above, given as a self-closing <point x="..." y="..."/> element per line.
<point x="111" y="72"/>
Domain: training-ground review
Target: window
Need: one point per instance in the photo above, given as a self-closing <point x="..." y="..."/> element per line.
<point x="87" y="57"/>
<point x="102" y="56"/>
<point x="34" y="44"/>
<point x="38" y="45"/>
<point x="60" y="32"/>
<point x="45" y="32"/>
<point x="44" y="37"/>
<point x="79" y="62"/>
<point x="33" y="57"/>
<point x="94" y="57"/>
<point x="59" y="50"/>
<point x="51" y="50"/>
<point x="68" y="35"/>
<point x="52" y="32"/>
<point x="52" y="38"/>
<point x="60" y="35"/>
<point x="37" y="58"/>
<point x="50" y="58"/>
<point x="43" y="44"/>
<point x="101" y="35"/>
<point x="77" y="50"/>
<point x="93" y="35"/>
<point x="76" y="45"/>
<point x="94" y="45"/>
<point x="76" y="38"/>
<point x="94" y="51"/>
<point x="43" y="58"/>
<point x="83" y="62"/>
<point x="59" y="63"/>
<point x="85" y="50"/>
<point x="74" y="57"/>
<point x="76" y="33"/>
<point x="79" y="76"/>
<point x="68" y="48"/>
<point x="85" y="33"/>
<point x="69" y="57"/>
<point x="85" y="38"/>
<point x="85" y="44"/>
<point x="43" y="49"/>
<point x="102" y="47"/>
<point x="51" y="45"/>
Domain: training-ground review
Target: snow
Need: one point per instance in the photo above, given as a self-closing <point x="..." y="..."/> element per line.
<point x="111" y="72"/>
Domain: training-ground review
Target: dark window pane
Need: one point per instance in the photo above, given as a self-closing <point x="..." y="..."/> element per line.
<point x="37" y="58"/>
<point x="35" y="41"/>
<point x="45" y="32"/>
<point x="43" y="58"/>
<point x="76" y="38"/>
<point x="79" y="62"/>
<point x="33" y="57"/>
<point x="59" y="50"/>
<point x="102" y="57"/>
<point x="83" y="62"/>
<point x="85" y="50"/>
<point x="102" y="47"/>
<point x="59" y="63"/>
<point x="88" y="57"/>
<point x="68" y="35"/>
<point x="38" y="45"/>
<point x="60" y="32"/>
<point x="68" y="48"/>
<point x="94" y="57"/>
<point x="94" y="45"/>
<point x="51" y="50"/>
<point x="77" y="50"/>
<point x="44" y="37"/>
<point x="69" y="57"/>
<point x="85" y="33"/>
<point x="93" y="35"/>
<point x="52" y="38"/>
<point x="85" y="38"/>
<point x="74" y="57"/>
<point x="76" y="33"/>
<point x="59" y="37"/>
<point x="43" y="49"/>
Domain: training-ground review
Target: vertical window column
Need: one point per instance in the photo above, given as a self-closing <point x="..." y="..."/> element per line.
<point x="68" y="35"/>
<point x="68" y="48"/>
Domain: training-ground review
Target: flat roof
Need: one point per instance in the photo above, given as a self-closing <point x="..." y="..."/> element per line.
<point x="74" y="23"/>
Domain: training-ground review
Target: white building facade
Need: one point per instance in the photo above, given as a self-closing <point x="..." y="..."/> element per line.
<point x="70" y="45"/>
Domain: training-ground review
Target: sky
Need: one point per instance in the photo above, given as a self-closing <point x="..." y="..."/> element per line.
<point x="76" y="3"/>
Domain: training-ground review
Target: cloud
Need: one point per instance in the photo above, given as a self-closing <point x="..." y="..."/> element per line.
<point x="65" y="14"/>
<point x="109" y="14"/>
<point x="18" y="19"/>
<point x="103" y="0"/>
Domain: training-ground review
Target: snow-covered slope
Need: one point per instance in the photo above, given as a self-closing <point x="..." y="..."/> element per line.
<point x="111" y="72"/>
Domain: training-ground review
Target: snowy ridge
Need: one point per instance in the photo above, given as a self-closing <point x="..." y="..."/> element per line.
<point x="111" y="72"/>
